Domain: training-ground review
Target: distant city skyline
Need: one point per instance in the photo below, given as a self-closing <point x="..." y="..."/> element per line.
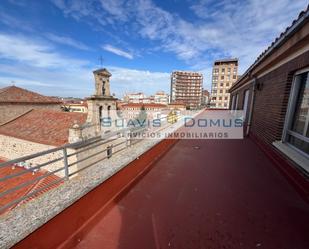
<point x="53" y="46"/>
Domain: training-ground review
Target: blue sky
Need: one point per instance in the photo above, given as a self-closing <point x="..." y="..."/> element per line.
<point x="52" y="46"/>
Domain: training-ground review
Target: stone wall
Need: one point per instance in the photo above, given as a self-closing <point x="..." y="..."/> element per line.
<point x="10" y="111"/>
<point x="12" y="148"/>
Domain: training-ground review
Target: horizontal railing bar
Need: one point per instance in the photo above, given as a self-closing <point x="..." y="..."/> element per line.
<point x="119" y="150"/>
<point x="28" y="182"/>
<point x="86" y="158"/>
<point x="29" y="195"/>
<point x="72" y="145"/>
<point x="93" y="146"/>
<point x="84" y="143"/>
<point x="75" y="172"/>
<point x="30" y="170"/>
<point x="24" y="158"/>
<point x="115" y="145"/>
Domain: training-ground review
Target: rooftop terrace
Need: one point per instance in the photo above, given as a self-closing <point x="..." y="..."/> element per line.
<point x="200" y="194"/>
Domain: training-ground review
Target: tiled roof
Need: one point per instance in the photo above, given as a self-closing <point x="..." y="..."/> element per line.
<point x="14" y="94"/>
<point x="43" y="126"/>
<point x="21" y="179"/>
<point x="146" y="105"/>
<point x="302" y="18"/>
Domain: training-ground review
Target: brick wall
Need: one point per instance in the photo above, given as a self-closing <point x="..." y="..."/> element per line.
<point x="271" y="102"/>
<point x="11" y="111"/>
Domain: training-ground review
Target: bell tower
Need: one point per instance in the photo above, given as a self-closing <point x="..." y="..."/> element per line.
<point x="102" y="86"/>
<point x="102" y="103"/>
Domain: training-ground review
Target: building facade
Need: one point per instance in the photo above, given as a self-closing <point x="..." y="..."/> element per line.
<point x="160" y="97"/>
<point x="205" y="98"/>
<point x="224" y="75"/>
<point x="274" y="95"/>
<point x="186" y="87"/>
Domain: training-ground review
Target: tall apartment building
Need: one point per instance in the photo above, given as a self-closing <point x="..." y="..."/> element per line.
<point x="186" y="87"/>
<point x="224" y="75"/>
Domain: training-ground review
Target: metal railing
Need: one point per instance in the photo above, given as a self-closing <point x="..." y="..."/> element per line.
<point x="62" y="158"/>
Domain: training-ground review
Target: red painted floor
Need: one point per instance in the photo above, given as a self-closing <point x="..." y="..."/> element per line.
<point x="226" y="194"/>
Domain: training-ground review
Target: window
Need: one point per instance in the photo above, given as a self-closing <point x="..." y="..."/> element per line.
<point x="221" y="84"/>
<point x="223" y="70"/>
<point x="222" y="77"/>
<point x="296" y="131"/>
<point x="225" y="98"/>
<point x="221" y="91"/>
<point x="234" y="102"/>
<point x="234" y="77"/>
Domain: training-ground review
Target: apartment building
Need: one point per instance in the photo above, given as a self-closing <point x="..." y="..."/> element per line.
<point x="161" y="97"/>
<point x="224" y="75"/>
<point x="134" y="97"/>
<point x="186" y="87"/>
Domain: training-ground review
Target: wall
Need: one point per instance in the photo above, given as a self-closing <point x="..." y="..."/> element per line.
<point x="12" y="148"/>
<point x="10" y="111"/>
<point x="271" y="101"/>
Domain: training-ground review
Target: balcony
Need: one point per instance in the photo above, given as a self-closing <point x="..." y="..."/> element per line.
<point x="196" y="194"/>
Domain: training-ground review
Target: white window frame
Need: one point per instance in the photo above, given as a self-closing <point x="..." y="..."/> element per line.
<point x="236" y="102"/>
<point x="290" y="114"/>
<point x="246" y="103"/>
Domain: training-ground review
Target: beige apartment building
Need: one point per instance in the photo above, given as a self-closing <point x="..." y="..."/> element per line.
<point x="224" y="75"/>
<point x="186" y="87"/>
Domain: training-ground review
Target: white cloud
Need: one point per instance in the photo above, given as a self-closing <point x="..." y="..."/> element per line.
<point x="117" y="51"/>
<point x="80" y="83"/>
<point x="126" y="80"/>
<point x="21" y="82"/>
<point x="227" y="28"/>
<point x="36" y="53"/>
<point x="65" y="40"/>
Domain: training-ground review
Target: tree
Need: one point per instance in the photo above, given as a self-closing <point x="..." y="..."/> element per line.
<point x="142" y="117"/>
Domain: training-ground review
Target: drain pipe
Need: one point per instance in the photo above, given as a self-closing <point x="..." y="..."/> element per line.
<point x="251" y="106"/>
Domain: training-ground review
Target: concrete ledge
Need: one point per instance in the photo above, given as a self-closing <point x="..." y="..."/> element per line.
<point x="23" y="220"/>
<point x="296" y="157"/>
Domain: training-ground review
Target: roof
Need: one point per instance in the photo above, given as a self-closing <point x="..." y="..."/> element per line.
<point x="146" y="105"/>
<point x="103" y="71"/>
<point x="227" y="60"/>
<point x="187" y="73"/>
<point x="302" y="18"/>
<point x="177" y="103"/>
<point x="14" y="94"/>
<point x="22" y="179"/>
<point x="43" y="126"/>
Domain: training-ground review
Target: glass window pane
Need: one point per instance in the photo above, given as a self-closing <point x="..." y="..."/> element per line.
<point x="299" y="144"/>
<point x="301" y="116"/>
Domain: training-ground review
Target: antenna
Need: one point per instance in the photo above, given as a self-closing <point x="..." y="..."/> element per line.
<point x="101" y="60"/>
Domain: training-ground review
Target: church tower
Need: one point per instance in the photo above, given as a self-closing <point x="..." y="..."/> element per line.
<point x="102" y="103"/>
<point x="102" y="86"/>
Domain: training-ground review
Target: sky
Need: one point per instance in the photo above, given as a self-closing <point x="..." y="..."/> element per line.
<point x="52" y="46"/>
